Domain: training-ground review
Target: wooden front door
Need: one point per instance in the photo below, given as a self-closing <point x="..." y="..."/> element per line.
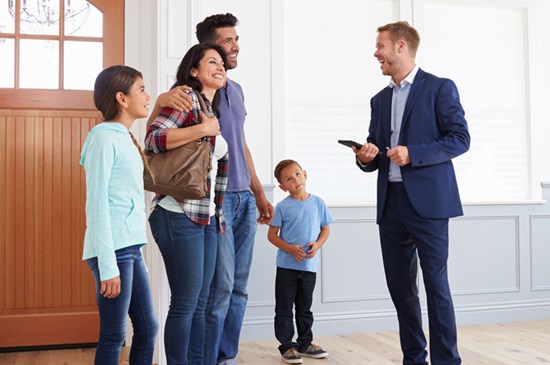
<point x="47" y="294"/>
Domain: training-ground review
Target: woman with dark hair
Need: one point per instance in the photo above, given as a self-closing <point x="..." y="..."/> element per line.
<point x="115" y="218"/>
<point x="186" y="231"/>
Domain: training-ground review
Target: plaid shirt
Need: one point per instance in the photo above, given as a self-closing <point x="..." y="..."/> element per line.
<point x="197" y="210"/>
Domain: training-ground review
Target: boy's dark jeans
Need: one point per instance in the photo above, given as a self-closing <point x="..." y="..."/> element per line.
<point x="294" y="288"/>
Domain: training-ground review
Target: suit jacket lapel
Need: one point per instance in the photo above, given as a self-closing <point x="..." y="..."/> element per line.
<point x="386" y="116"/>
<point x="415" y="90"/>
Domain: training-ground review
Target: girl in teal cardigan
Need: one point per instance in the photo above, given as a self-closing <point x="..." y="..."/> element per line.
<point x="115" y="217"/>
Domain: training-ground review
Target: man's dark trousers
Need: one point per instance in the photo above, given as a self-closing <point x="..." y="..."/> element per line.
<point x="406" y="237"/>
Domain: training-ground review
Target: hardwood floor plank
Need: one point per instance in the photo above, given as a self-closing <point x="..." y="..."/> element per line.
<point x="518" y="343"/>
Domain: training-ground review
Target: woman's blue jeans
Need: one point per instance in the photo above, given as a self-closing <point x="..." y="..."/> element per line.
<point x="189" y="253"/>
<point x="134" y="300"/>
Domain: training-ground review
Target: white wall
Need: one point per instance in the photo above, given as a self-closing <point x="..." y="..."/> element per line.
<point x="499" y="252"/>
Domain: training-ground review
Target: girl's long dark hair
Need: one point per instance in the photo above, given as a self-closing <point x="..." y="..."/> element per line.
<point x="108" y="83"/>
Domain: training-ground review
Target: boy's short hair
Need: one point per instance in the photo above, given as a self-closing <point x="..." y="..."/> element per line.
<point x="207" y="30"/>
<point x="282" y="165"/>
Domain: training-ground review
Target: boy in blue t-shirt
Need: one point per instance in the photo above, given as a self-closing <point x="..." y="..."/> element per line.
<point x="299" y="228"/>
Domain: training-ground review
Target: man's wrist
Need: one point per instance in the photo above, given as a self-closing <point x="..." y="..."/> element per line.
<point x="361" y="162"/>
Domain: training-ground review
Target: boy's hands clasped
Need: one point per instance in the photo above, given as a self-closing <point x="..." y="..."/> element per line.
<point x="313" y="248"/>
<point x="297" y="251"/>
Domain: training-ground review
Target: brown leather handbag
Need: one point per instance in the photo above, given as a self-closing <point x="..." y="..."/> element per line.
<point x="180" y="172"/>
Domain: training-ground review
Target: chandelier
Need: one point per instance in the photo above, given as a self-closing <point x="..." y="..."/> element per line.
<point x="37" y="16"/>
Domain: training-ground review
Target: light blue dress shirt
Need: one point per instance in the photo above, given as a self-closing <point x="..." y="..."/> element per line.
<point x="398" y="102"/>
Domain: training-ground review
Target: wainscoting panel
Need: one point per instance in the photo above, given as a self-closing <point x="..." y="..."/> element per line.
<point x="483" y="254"/>
<point x="262" y="278"/>
<point x="540" y="252"/>
<point x="351" y="263"/>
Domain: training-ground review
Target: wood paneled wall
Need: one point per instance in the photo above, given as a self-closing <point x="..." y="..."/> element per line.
<point x="42" y="222"/>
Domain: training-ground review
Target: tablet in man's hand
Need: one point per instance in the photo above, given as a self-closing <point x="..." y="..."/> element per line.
<point x="349" y="143"/>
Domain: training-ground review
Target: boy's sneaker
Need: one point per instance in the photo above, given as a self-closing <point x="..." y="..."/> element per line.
<point x="291" y="356"/>
<point x="315" y="352"/>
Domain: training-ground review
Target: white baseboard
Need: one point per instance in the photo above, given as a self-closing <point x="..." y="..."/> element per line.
<point x="341" y="323"/>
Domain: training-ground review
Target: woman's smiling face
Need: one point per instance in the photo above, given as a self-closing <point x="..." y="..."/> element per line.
<point x="211" y="70"/>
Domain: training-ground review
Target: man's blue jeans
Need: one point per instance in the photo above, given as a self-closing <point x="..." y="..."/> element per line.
<point x="134" y="300"/>
<point x="228" y="295"/>
<point x="189" y="253"/>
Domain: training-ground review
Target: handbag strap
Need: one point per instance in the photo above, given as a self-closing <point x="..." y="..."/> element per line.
<point x="143" y="158"/>
<point x="204" y="109"/>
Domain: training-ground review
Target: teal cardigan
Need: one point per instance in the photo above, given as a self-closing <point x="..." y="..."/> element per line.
<point x="115" y="203"/>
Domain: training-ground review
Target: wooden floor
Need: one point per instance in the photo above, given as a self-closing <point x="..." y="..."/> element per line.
<point x="523" y="343"/>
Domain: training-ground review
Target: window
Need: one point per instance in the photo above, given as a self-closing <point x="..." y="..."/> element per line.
<point x="484" y="50"/>
<point x="64" y="35"/>
<point x="331" y="74"/>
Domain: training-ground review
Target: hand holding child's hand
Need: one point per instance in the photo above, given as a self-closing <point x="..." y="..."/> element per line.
<point x="297" y="252"/>
<point x="313" y="248"/>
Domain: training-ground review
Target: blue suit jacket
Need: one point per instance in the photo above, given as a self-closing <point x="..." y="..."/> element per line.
<point x="434" y="131"/>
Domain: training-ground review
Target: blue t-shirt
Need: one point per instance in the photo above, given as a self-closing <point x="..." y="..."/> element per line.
<point x="232" y="116"/>
<point x="300" y="223"/>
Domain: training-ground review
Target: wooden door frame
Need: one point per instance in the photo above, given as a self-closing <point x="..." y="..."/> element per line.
<point x="26" y="325"/>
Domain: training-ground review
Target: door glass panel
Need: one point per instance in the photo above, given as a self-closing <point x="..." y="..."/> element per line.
<point x="83" y="61"/>
<point x="7" y="51"/>
<point x="39" y="64"/>
<point x="82" y="19"/>
<point x="40" y="16"/>
<point x="7" y="24"/>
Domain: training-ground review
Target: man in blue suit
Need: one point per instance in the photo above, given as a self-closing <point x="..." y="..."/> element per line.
<point x="418" y="124"/>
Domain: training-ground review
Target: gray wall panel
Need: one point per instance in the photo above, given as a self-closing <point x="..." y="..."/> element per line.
<point x="351" y="262"/>
<point x="540" y="252"/>
<point x="483" y="254"/>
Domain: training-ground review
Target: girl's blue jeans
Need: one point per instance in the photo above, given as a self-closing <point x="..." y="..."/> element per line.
<point x="134" y="300"/>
